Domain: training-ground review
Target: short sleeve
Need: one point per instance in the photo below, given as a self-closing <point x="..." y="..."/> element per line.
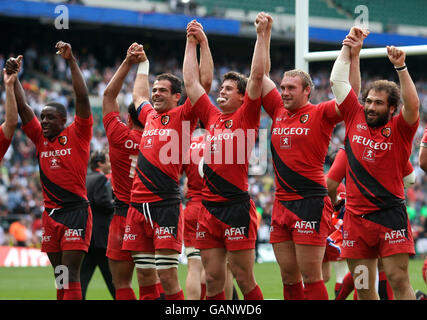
<point x="272" y="102"/>
<point x="117" y="132"/>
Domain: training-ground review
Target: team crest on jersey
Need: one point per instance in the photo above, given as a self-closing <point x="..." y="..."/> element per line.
<point x="228" y="124"/>
<point x="63" y="140"/>
<point x="386" y="132"/>
<point x="304" y="118"/>
<point x="165" y="120"/>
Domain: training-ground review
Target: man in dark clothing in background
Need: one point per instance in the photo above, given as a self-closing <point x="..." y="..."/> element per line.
<point x="100" y="197"/>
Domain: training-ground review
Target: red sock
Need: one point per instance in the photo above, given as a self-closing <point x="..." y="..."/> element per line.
<point x="177" y="296"/>
<point x="148" y="292"/>
<point x="125" y="294"/>
<point x="219" y="296"/>
<point x="315" y="291"/>
<point x="161" y="291"/>
<point x="59" y="294"/>
<point x="293" y="291"/>
<point x="254" y="294"/>
<point x="203" y="291"/>
<point x="337" y="287"/>
<point x="355" y="295"/>
<point x="74" y="291"/>
<point x="346" y="288"/>
<point x="384" y="289"/>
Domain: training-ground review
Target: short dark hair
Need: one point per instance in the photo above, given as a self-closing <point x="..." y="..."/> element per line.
<point x="176" y="83"/>
<point x="389" y="87"/>
<point x="134" y="115"/>
<point x="97" y="156"/>
<point x="241" y="80"/>
<point x="59" y="107"/>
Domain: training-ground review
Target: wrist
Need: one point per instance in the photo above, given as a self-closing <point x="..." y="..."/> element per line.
<point x="143" y="67"/>
<point x="400" y="68"/>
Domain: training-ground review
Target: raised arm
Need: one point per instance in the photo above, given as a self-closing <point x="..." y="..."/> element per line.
<point x="254" y="86"/>
<point x="411" y="102"/>
<point x="267" y="83"/>
<point x="141" y="86"/>
<point x="344" y="75"/>
<point x="80" y="90"/>
<point x="206" y="65"/>
<point x="135" y="54"/>
<point x="355" y="41"/>
<point x="11" y="118"/>
<point x="13" y="65"/>
<point x="190" y="68"/>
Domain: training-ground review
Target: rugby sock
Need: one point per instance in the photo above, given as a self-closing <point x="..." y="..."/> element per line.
<point x="384" y="289"/>
<point x="161" y="291"/>
<point x="74" y="291"/>
<point x="59" y="294"/>
<point x="125" y="294"/>
<point x="315" y="291"/>
<point x="254" y="294"/>
<point x="337" y="288"/>
<point x="219" y="296"/>
<point x="176" y="296"/>
<point x="346" y="287"/>
<point x="293" y="291"/>
<point x="355" y="295"/>
<point x="203" y="291"/>
<point x="149" y="292"/>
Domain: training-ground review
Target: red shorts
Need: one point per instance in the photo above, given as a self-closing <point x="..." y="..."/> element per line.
<point x="379" y="234"/>
<point x="191" y="216"/>
<point x="305" y="221"/>
<point x="232" y="226"/>
<point x="333" y="247"/>
<point x="157" y="227"/>
<point x="115" y="240"/>
<point x="66" y="230"/>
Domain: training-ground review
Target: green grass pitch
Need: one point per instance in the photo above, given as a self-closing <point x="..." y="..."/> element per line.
<point x="37" y="283"/>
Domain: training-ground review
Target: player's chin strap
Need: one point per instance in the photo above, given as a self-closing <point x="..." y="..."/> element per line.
<point x="147" y="214"/>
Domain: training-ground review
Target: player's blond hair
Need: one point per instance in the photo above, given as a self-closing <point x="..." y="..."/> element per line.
<point x="304" y="76"/>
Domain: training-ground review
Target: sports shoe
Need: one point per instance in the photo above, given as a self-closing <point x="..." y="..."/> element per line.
<point x="420" y="295"/>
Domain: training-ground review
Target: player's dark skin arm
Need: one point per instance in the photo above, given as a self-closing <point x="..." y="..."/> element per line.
<point x="25" y="112"/>
<point x="135" y="54"/>
<point x="80" y="90"/>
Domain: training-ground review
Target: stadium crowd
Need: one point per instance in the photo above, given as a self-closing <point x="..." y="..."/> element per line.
<point x="45" y="77"/>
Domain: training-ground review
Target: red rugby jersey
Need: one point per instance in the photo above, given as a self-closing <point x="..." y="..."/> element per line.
<point x="63" y="162"/>
<point x="4" y="143"/>
<point x="191" y="168"/>
<point x="124" y="147"/>
<point x="376" y="159"/>
<point x="299" y="143"/>
<point x="165" y="140"/>
<point x="228" y="147"/>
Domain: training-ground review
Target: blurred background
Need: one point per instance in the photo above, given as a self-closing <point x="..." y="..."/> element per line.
<point x="100" y="31"/>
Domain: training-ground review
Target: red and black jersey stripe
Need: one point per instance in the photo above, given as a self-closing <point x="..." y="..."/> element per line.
<point x="293" y="182"/>
<point x="62" y="197"/>
<point x="368" y="186"/>
<point x="220" y="186"/>
<point x="155" y="180"/>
